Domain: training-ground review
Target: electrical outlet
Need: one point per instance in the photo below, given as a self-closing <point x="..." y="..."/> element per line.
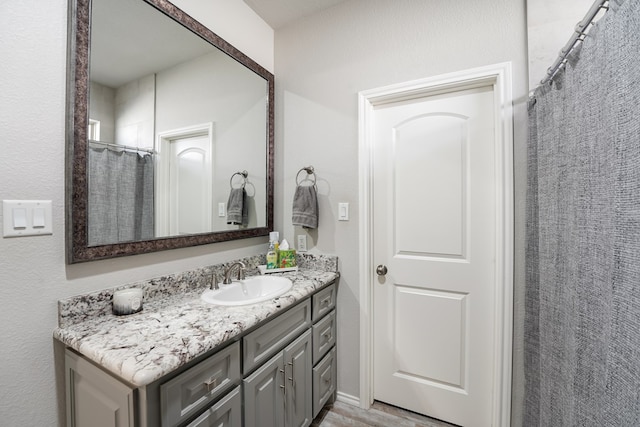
<point x="222" y="211"/>
<point x="302" y="243"/>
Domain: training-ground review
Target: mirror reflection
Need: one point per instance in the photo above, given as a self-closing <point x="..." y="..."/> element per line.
<point x="174" y="126"/>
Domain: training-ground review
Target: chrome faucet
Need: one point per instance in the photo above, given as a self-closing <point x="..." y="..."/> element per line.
<point x="227" y="275"/>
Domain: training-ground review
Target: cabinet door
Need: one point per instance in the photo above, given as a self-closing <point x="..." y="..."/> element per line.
<point x="264" y="395"/>
<point x="227" y="412"/>
<point x="298" y="397"/>
<point x="324" y="381"/>
<point x="95" y="398"/>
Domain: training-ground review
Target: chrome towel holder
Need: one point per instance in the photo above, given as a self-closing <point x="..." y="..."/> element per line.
<point x="244" y="175"/>
<point x="310" y="171"/>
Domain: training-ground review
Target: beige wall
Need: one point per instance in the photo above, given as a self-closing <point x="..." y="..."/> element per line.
<point x="323" y="61"/>
<point x="33" y="274"/>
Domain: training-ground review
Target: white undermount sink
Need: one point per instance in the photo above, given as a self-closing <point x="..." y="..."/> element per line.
<point x="248" y="291"/>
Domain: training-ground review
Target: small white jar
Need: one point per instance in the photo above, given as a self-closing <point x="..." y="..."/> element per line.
<point x="127" y="301"/>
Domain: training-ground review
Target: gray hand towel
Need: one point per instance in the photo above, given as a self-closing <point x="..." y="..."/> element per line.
<point x="237" y="207"/>
<point x="305" y="206"/>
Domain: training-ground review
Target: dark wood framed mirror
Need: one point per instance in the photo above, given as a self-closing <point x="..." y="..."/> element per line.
<point x="228" y="109"/>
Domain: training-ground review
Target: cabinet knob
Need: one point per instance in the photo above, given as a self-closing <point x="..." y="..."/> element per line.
<point x="211" y="383"/>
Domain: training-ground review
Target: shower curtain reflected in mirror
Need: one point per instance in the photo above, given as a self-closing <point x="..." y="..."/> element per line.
<point x="120" y="201"/>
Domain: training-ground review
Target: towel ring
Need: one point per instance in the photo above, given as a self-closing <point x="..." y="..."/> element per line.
<point x="310" y="171"/>
<point x="244" y="175"/>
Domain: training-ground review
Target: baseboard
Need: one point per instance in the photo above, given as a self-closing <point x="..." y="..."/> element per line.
<point x="348" y="399"/>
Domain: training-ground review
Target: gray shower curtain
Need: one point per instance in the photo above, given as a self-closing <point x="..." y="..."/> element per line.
<point x="582" y="325"/>
<point x="120" y="196"/>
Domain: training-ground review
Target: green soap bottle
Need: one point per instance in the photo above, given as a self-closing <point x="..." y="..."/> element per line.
<point x="272" y="253"/>
<point x="272" y="257"/>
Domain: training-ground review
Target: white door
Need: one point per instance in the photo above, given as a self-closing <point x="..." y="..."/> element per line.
<point x="434" y="229"/>
<point x="184" y="181"/>
<point x="190" y="198"/>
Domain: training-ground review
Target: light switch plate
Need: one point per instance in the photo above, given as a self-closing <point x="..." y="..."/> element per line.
<point x="222" y="209"/>
<point x="26" y="227"/>
<point x="343" y="211"/>
<point x="302" y="243"/>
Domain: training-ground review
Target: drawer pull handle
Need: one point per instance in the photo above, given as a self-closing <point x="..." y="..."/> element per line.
<point x="211" y="383"/>
<point x="284" y="381"/>
<point x="292" y="369"/>
<point x="326" y="301"/>
<point x="327" y="380"/>
<point x="327" y="335"/>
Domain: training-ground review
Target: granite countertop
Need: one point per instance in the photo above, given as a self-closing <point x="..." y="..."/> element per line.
<point x="173" y="330"/>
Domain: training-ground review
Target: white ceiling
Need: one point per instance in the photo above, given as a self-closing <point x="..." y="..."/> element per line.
<point x="278" y="13"/>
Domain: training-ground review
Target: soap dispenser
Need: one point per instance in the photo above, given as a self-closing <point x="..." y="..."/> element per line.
<point x="272" y="253"/>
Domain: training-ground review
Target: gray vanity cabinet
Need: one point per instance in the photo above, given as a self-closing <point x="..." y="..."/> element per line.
<point x="95" y="398"/>
<point x="279" y="393"/>
<point x="279" y="374"/>
<point x="263" y="396"/>
<point x="199" y="386"/>
<point x="227" y="412"/>
<point x="323" y="317"/>
<point x="298" y="388"/>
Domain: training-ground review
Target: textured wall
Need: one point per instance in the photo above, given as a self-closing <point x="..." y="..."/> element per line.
<point x="550" y="26"/>
<point x="323" y="61"/>
<point x="33" y="274"/>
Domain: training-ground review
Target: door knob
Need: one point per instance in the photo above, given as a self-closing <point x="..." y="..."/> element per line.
<point x="381" y="270"/>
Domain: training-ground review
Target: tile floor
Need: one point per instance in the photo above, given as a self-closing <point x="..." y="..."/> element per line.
<point x="340" y="414"/>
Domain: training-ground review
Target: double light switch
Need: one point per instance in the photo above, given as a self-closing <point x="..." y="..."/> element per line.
<point x="26" y="217"/>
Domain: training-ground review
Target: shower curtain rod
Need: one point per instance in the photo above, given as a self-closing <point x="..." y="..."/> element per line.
<point x="123" y="147"/>
<point x="578" y="36"/>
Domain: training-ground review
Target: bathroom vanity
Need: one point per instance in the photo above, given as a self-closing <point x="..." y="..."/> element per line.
<point x="184" y="362"/>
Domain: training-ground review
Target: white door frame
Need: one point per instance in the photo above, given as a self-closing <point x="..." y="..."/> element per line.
<point x="498" y="76"/>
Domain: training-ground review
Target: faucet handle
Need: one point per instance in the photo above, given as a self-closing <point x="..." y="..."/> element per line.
<point x="214" y="281"/>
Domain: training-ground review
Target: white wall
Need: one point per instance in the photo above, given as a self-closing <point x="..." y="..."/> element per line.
<point x="550" y="24"/>
<point x="323" y="61"/>
<point x="102" y="107"/>
<point x="236" y="105"/>
<point x="33" y="274"/>
<point x="134" y="111"/>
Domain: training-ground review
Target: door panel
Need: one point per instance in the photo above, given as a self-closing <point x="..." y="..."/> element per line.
<point x="443" y="359"/>
<point x="435" y="229"/>
<point x="439" y="205"/>
<point x="264" y="395"/>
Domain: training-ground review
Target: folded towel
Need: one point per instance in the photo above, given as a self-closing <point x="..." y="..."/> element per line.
<point x="305" y="206"/>
<point x="237" y="212"/>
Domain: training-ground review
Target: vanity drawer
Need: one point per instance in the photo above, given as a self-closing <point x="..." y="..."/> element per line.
<point x="227" y="412"/>
<point x="323" y="302"/>
<point x="265" y="341"/>
<point x="194" y="389"/>
<point x="324" y="336"/>
<point x="324" y="381"/>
